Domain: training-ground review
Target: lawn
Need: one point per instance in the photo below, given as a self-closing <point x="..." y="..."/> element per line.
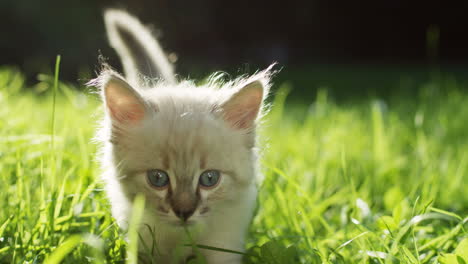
<point x="366" y="181"/>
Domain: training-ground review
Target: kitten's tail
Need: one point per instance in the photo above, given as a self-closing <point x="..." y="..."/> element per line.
<point x="137" y="48"/>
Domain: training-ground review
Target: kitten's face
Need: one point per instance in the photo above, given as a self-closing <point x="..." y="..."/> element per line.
<point x="189" y="165"/>
<point x="189" y="151"/>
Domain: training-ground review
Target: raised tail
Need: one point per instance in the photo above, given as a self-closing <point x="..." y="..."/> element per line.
<point x="137" y="48"/>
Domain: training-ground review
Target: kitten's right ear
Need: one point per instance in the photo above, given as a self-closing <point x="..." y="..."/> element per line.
<point x="138" y="50"/>
<point x="123" y="103"/>
<point x="243" y="107"/>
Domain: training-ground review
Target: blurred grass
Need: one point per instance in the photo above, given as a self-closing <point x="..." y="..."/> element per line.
<point x="368" y="181"/>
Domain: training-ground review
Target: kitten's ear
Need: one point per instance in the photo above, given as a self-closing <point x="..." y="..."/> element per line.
<point x="243" y="107"/>
<point x="123" y="103"/>
<point x="138" y="50"/>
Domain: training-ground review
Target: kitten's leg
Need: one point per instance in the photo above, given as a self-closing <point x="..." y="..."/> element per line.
<point x="221" y="237"/>
<point x="226" y="238"/>
<point x="214" y="257"/>
<point x="227" y="229"/>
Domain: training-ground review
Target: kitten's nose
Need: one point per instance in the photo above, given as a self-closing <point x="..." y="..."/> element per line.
<point x="183" y="214"/>
<point x="184" y="204"/>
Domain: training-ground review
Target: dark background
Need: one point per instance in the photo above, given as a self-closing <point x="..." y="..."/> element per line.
<point x="309" y="36"/>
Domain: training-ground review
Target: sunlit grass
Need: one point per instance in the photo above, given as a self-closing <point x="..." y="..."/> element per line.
<point x="369" y="182"/>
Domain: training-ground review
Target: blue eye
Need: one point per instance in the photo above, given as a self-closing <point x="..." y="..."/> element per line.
<point x="157" y="178"/>
<point x="209" y="178"/>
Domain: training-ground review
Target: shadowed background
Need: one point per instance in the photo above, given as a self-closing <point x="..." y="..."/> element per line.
<point x="319" y="43"/>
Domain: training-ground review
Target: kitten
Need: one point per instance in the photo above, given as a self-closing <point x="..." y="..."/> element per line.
<point x="191" y="151"/>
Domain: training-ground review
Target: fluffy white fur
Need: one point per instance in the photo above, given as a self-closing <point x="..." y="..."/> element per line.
<point x="183" y="130"/>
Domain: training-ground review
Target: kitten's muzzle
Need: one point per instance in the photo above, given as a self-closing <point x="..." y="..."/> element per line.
<point x="184" y="215"/>
<point x="184" y="205"/>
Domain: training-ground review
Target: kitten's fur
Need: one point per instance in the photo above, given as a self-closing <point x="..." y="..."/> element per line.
<point x="183" y="130"/>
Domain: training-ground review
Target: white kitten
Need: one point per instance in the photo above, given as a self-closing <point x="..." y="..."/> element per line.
<point x="191" y="151"/>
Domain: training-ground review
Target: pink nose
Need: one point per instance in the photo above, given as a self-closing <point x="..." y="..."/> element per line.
<point x="184" y="205"/>
<point x="183" y="214"/>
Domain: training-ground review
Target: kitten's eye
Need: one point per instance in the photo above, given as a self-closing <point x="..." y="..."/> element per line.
<point x="209" y="178"/>
<point x="157" y="178"/>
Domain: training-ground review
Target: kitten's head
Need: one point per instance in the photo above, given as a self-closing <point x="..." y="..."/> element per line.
<point x="189" y="150"/>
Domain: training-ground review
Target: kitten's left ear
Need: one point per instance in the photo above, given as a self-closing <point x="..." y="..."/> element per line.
<point x="123" y="103"/>
<point x="244" y="106"/>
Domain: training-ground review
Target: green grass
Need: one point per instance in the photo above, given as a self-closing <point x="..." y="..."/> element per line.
<point x="369" y="181"/>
